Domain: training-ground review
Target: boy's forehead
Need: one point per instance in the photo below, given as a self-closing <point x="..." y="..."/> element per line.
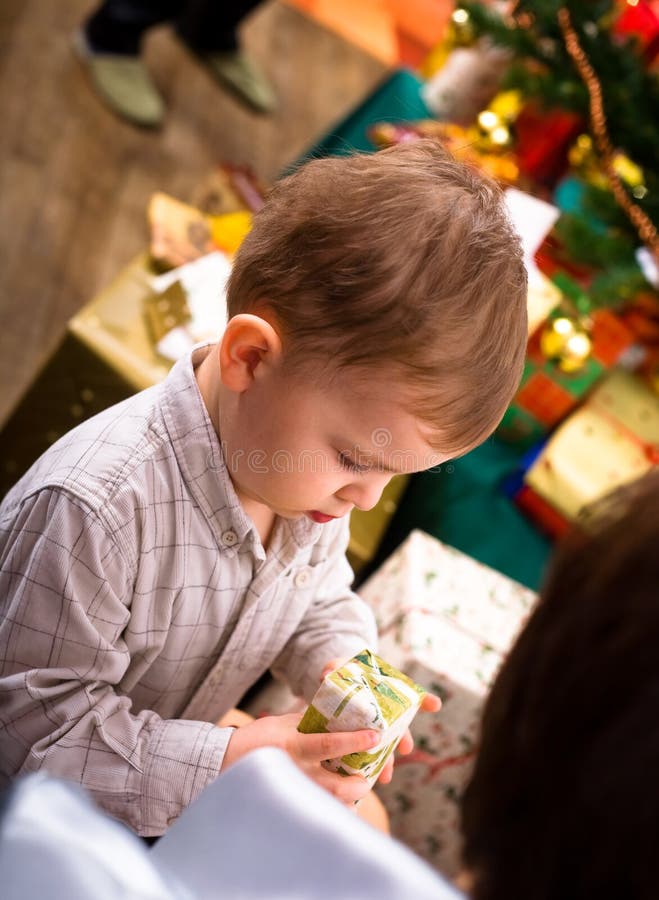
<point x="384" y="432"/>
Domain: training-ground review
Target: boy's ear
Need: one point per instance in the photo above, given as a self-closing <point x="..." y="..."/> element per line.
<point x="248" y="342"/>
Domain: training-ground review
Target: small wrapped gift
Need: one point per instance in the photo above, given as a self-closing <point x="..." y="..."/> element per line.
<point x="228" y="189"/>
<point x="365" y="692"/>
<point x="181" y="234"/>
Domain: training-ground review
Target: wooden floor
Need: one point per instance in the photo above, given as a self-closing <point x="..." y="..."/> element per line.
<point x="75" y="180"/>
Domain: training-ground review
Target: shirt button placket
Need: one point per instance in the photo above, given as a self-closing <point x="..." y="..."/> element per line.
<point x="229" y="538"/>
<point x="302" y="578"/>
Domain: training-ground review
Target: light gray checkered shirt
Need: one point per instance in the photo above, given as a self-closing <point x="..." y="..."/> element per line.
<point x="138" y="605"/>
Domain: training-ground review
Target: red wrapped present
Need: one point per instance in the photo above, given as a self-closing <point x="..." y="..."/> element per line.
<point x="543" y="138"/>
<point x="640" y="19"/>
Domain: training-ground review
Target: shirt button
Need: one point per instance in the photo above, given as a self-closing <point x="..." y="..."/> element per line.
<point x="302" y="578"/>
<point x="229" y="538"/>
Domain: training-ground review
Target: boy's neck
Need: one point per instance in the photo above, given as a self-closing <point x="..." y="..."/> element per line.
<point x="208" y="381"/>
<point x="262" y="517"/>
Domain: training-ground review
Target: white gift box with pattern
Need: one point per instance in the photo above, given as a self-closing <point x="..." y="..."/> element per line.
<point x="446" y="621"/>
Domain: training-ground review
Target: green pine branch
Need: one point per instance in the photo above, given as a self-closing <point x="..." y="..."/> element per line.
<point x="541" y="69"/>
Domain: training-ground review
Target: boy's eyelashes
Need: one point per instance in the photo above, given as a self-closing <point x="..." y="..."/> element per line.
<point x="350" y="465"/>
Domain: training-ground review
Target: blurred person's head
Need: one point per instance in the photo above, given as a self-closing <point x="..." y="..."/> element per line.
<point x="564" y="799"/>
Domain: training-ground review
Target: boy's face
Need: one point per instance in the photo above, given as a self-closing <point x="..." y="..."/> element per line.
<point x="320" y="450"/>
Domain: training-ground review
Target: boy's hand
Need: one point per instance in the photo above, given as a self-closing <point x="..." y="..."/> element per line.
<point x="430" y="703"/>
<point x="306" y="750"/>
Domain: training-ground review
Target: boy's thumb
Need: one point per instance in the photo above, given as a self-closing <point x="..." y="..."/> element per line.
<point x="333" y="664"/>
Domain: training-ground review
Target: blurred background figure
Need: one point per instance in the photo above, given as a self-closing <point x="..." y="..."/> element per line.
<point x="109" y="45"/>
<point x="562" y="801"/>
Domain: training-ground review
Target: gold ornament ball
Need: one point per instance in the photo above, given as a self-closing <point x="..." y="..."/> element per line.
<point x="582" y="153"/>
<point x="630" y="173"/>
<point x="459" y="33"/>
<point x="493" y="133"/>
<point x="567" y="343"/>
<point x="507" y="104"/>
<point x="462" y="27"/>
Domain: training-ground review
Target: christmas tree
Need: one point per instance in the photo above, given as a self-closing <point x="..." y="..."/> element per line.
<point x="594" y="59"/>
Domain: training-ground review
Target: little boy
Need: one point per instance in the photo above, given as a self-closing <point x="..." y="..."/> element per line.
<point x="163" y="555"/>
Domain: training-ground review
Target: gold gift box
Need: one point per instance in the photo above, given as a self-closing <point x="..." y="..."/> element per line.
<point x="609" y="441"/>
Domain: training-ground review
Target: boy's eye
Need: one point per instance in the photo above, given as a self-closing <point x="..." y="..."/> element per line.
<point x="350" y="465"/>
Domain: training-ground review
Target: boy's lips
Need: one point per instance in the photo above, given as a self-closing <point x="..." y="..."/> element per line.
<point x="319" y="517"/>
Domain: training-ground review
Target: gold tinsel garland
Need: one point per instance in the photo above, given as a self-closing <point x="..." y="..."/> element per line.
<point x="641" y="221"/>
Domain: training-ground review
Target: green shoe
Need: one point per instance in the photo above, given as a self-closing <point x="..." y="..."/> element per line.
<point x="237" y="72"/>
<point x="124" y="83"/>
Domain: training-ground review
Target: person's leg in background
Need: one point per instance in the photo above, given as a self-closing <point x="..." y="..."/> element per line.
<point x="210" y="30"/>
<point x="110" y="41"/>
<point x="118" y="26"/>
<point x="109" y="44"/>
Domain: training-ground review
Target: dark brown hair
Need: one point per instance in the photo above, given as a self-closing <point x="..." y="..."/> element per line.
<point x="564" y="798"/>
<point x="404" y="259"/>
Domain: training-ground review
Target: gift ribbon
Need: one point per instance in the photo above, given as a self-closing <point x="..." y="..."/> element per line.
<point x="433" y="763"/>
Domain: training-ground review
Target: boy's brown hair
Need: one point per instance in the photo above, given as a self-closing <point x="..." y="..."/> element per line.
<point x="404" y="258"/>
<point x="564" y="798"/>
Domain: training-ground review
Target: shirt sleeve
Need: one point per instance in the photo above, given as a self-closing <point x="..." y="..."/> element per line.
<point x="337" y="624"/>
<point x="65" y="596"/>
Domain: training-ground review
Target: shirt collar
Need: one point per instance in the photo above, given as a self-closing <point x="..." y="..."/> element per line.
<point x="198" y="451"/>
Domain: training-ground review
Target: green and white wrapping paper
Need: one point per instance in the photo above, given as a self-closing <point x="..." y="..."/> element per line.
<point x="366" y="692"/>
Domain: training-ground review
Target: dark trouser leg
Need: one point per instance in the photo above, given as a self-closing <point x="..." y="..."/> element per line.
<point x="117" y="26"/>
<point x="210" y="25"/>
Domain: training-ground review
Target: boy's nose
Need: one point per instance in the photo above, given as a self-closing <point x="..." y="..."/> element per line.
<point x="365" y="493"/>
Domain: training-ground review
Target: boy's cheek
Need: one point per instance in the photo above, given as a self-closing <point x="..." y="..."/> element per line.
<point x="293" y="493"/>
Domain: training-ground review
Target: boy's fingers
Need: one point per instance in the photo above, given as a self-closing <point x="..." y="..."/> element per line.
<point x="388" y="772"/>
<point x="406" y="744"/>
<point x="431" y="703"/>
<point x="329" y="745"/>
<point x="346" y="788"/>
<point x="333" y="664"/>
